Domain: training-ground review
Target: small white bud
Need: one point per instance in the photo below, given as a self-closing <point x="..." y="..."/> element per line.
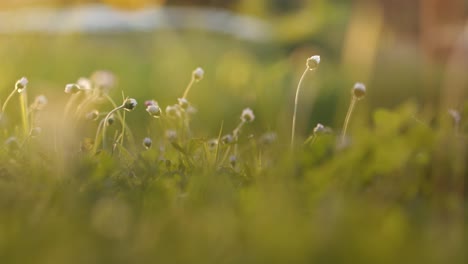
<point x="72" y="88"/>
<point x="227" y="139"/>
<point x="313" y="62"/>
<point x="184" y="104"/>
<point x="247" y="115"/>
<point x="84" y="84"/>
<point x="319" y="129"/>
<point x="147" y="142"/>
<point x="359" y="90"/>
<point x="110" y="120"/>
<point x="198" y="74"/>
<point x="92" y="115"/>
<point x="212" y="143"/>
<point x="153" y="110"/>
<point x="171" y="135"/>
<point x="21" y="84"/>
<point x="130" y="104"/>
<point x="173" y="111"/>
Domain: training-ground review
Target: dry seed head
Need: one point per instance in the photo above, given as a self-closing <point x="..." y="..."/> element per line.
<point x="247" y="115"/>
<point x="130" y="104"/>
<point x="313" y="62"/>
<point x="154" y="110"/>
<point x="359" y="90"/>
<point x="198" y="73"/>
<point x="72" y="88"/>
<point x="21" y="84"/>
<point x="147" y="142"/>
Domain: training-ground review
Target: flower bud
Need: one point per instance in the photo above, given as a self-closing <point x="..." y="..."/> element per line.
<point x="147" y="142"/>
<point x="93" y="115"/>
<point x="72" y="88"/>
<point x="110" y="120"/>
<point x="21" y="84"/>
<point x="171" y="135"/>
<point x="319" y="129"/>
<point x="130" y="104"/>
<point x="173" y="111"/>
<point x="212" y="143"/>
<point x="153" y="110"/>
<point x="313" y="62"/>
<point x="227" y="139"/>
<point x="359" y="90"/>
<point x="247" y="115"/>
<point x="39" y="102"/>
<point x="183" y="103"/>
<point x="84" y="84"/>
<point x="198" y="73"/>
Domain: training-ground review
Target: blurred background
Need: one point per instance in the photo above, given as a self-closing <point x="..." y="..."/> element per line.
<point x="253" y="52"/>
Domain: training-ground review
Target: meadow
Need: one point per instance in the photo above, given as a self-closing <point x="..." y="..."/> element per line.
<point x="208" y="181"/>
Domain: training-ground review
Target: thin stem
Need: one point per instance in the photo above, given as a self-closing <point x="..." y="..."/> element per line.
<point x="70" y="102"/>
<point x="96" y="138"/>
<point x="192" y="81"/>
<point x="348" y="117"/>
<point x="8" y="99"/>
<point x="311" y="139"/>
<point x="105" y="124"/>
<point x="24" y="112"/>
<point x="296" y="101"/>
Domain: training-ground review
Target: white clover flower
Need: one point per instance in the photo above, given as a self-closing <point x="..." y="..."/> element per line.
<point x="130" y="104"/>
<point x="359" y="90"/>
<point x="147" y="142"/>
<point x="183" y="103"/>
<point x="247" y="115"/>
<point x="198" y="74"/>
<point x="21" y="84"/>
<point x="173" y="111"/>
<point x="154" y="110"/>
<point x="313" y="62"/>
<point x="72" y="88"/>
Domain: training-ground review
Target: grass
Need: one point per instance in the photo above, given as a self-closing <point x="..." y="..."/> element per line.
<point x="395" y="193"/>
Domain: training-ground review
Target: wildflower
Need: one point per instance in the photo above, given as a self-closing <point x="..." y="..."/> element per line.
<point x="21" y="84"/>
<point x="183" y="103"/>
<point x="227" y="139"/>
<point x="147" y="142"/>
<point x="150" y="102"/>
<point x="154" y="110"/>
<point x="313" y="62"/>
<point x="247" y="115"/>
<point x="359" y="90"/>
<point x="171" y="135"/>
<point x="198" y="73"/>
<point x="173" y="111"/>
<point x="233" y="160"/>
<point x="92" y="115"/>
<point x="268" y="138"/>
<point x="72" y="88"/>
<point x="130" y="104"/>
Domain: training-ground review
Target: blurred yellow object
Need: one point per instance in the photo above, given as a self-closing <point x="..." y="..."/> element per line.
<point x="132" y="4"/>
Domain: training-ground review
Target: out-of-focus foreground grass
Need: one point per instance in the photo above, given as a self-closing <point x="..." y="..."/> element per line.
<point x="396" y="194"/>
